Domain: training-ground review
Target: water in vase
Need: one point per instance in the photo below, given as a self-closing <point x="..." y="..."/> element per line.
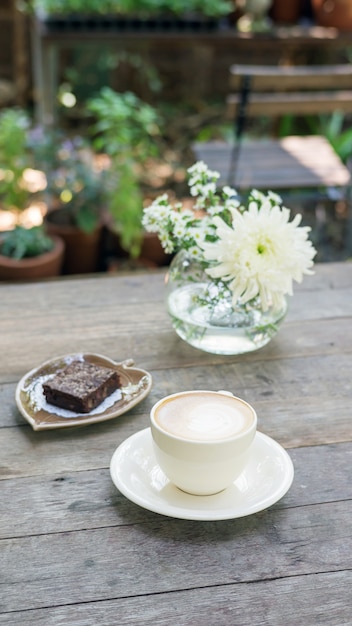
<point x="213" y="325"/>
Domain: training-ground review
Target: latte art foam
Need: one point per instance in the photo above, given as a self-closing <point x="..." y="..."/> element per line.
<point x="203" y="416"/>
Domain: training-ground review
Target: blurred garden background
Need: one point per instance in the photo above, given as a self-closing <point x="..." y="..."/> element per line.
<point x="101" y="102"/>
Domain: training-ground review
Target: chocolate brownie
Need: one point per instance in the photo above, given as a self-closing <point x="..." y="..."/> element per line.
<point x="81" y="386"/>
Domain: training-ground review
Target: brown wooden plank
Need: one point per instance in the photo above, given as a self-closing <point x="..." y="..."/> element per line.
<point x="56" y="300"/>
<point x="278" y="104"/>
<point x="69" y="293"/>
<point x="154" y="344"/>
<point x="320" y="414"/>
<point x="297" y="90"/>
<point x="299" y="402"/>
<point x="75" y="550"/>
<point x="266" y="603"/>
<point x="165" y="554"/>
<point x="75" y="293"/>
<point x="295" y="339"/>
<point x="292" y="162"/>
<point x="88" y="499"/>
<point x="336" y="275"/>
<point x="293" y="77"/>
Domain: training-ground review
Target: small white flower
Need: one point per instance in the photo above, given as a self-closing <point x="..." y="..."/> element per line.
<point x="202" y="190"/>
<point x="215" y="210"/>
<point x="179" y="230"/>
<point x="163" y="199"/>
<point x="275" y="197"/>
<point x="186" y="215"/>
<point x="201" y="171"/>
<point x="166" y="242"/>
<point x="194" y="252"/>
<point x="257" y="195"/>
<point x="232" y="203"/>
<point x="197" y="235"/>
<point x="229" y="191"/>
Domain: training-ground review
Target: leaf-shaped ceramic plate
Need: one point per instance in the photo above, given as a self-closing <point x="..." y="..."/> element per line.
<point x="135" y="385"/>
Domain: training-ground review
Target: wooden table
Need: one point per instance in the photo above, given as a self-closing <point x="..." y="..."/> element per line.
<point x="75" y="551"/>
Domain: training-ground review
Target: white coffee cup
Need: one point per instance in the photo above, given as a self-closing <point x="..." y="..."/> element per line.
<point x="202" y="439"/>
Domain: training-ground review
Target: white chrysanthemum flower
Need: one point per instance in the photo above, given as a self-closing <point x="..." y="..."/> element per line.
<point x="261" y="254"/>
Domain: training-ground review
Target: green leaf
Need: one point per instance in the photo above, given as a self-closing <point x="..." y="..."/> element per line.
<point x="25" y="242"/>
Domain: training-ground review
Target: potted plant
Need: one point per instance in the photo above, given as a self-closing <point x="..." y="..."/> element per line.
<point x="29" y="253"/>
<point x="336" y="13"/>
<point x="24" y="253"/>
<point x="133" y="14"/>
<point x="127" y="130"/>
<point x="255" y="15"/>
<point x="74" y="196"/>
<point x="283" y="12"/>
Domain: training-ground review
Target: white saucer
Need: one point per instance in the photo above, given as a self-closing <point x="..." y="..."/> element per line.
<point x="266" y="478"/>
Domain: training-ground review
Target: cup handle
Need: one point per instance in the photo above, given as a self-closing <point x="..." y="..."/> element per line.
<point x="225" y="393"/>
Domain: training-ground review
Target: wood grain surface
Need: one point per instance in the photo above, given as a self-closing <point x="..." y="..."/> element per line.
<point x="73" y="550"/>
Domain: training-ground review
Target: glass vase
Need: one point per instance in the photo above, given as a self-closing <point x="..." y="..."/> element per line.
<point x="202" y="312"/>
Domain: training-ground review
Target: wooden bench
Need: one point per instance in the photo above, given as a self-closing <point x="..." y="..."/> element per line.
<point x="292" y="162"/>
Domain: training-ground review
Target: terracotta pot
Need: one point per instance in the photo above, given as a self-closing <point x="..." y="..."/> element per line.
<point x="151" y="253"/>
<point x="45" y="265"/>
<point x="82" y="250"/>
<point x="334" y="13"/>
<point x="152" y="250"/>
<point x="286" y="11"/>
